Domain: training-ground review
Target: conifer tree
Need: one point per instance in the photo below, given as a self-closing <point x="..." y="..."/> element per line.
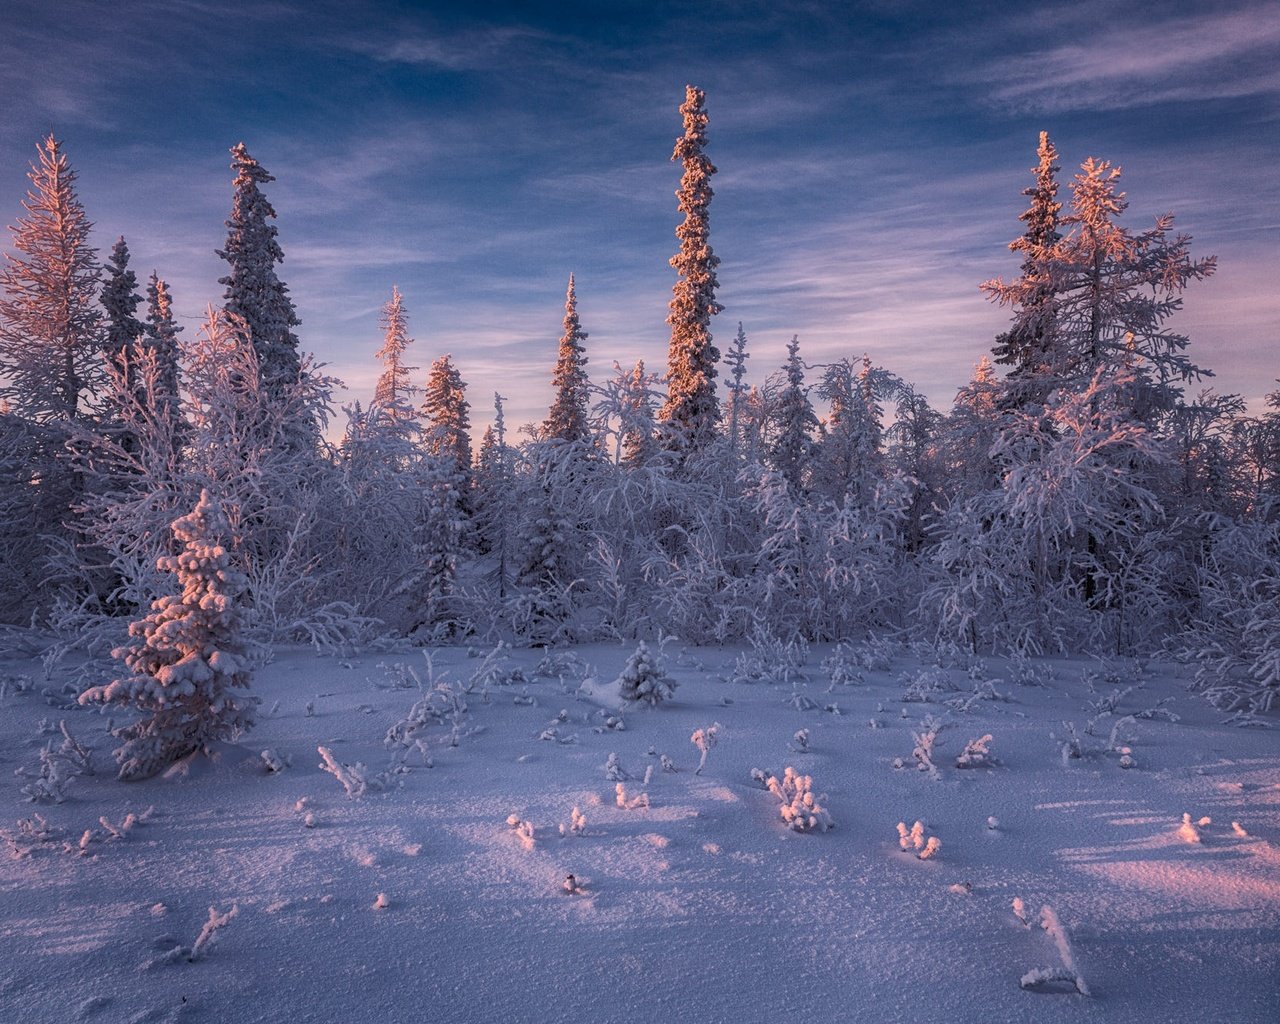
<point x="796" y="421"/>
<point x="737" y="359"/>
<point x="120" y="301"/>
<point x="636" y="441"/>
<point x="187" y="657"/>
<point x="50" y="360"/>
<point x="254" y="292"/>
<point x="849" y="462"/>
<point x="690" y="413"/>
<point x="160" y="338"/>
<point x="445" y="410"/>
<point x="567" y="420"/>
<point x="1025" y="346"/>
<point x="395" y="387"/>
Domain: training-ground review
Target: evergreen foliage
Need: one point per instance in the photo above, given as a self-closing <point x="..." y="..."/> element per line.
<point x="690" y="414"/>
<point x="187" y="658"/>
<point x="567" y="420"/>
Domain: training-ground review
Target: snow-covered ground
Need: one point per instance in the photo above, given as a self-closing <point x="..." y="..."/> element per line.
<point x="702" y="906"/>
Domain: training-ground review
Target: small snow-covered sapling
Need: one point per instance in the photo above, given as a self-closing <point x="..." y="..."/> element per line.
<point x="914" y="841"/>
<point x="1187" y="831"/>
<point x="801" y="741"/>
<point x="976" y="754"/>
<point x="644" y="679"/>
<point x="613" y="770"/>
<point x="522" y="829"/>
<point x="1068" y="972"/>
<point x="209" y="933"/>
<point x="577" y="824"/>
<point x="801" y="811"/>
<point x="704" y="740"/>
<point x="925" y="740"/>
<point x="667" y="764"/>
<point x="626" y="802"/>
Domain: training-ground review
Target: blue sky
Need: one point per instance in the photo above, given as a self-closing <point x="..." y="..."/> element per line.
<point x="870" y="157"/>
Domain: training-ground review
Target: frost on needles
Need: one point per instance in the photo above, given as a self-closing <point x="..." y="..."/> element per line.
<point x="186" y="659"/>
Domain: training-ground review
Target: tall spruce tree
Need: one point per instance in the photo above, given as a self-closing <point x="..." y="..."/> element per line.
<point x="567" y="420"/>
<point x="254" y="292"/>
<point x="160" y="338"/>
<point x="120" y="301"/>
<point x="396" y="414"/>
<point x="690" y="413"/>
<point x="1025" y="346"/>
<point x="50" y="360"/>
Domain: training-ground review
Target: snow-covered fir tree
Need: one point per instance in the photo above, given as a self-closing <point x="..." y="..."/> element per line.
<point x="446" y="416"/>
<point x="690" y="414"/>
<point x="187" y="659"/>
<point x="849" y="462"/>
<point x="120" y="301"/>
<point x="736" y="358"/>
<point x="567" y="420"/>
<point x="1026" y="345"/>
<point x="637" y="441"/>
<point x="795" y="421"/>
<point x="160" y="338"/>
<point x="254" y="292"/>
<point x="395" y="387"/>
<point x="50" y="360"/>
<point x="644" y="679"/>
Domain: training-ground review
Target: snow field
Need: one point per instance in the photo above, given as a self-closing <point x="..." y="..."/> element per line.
<point x="703" y="905"/>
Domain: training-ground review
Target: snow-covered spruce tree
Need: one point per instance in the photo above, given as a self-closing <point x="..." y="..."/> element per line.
<point x="793" y="440"/>
<point x="644" y="679"/>
<point x="440" y="529"/>
<point x="849" y="462"/>
<point x="395" y="388"/>
<point x="1026" y="345"/>
<point x="1110" y="292"/>
<point x="255" y="294"/>
<point x="50" y="360"/>
<point x="120" y="301"/>
<point x="160" y="338"/>
<point x="690" y="413"/>
<point x="494" y="501"/>
<point x="187" y="659"/>
<point x="736" y="358"/>
<point x="637" y="441"/>
<point x="446" y="417"/>
<point x="567" y="420"/>
<point x="913" y="449"/>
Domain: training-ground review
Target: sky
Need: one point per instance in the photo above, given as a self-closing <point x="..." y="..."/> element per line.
<point x="870" y="158"/>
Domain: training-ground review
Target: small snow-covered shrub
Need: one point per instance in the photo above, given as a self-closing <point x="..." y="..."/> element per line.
<point x="704" y="739"/>
<point x="613" y="770"/>
<point x="801" y="741"/>
<point x="801" y="811"/>
<point x="645" y="679"/>
<point x="1068" y="972"/>
<point x="577" y="824"/>
<point x="923" y="686"/>
<point x="976" y="754"/>
<point x="925" y="740"/>
<point x="770" y="659"/>
<point x="913" y="840"/>
<point x="798" y="700"/>
<point x="561" y="665"/>
<point x="523" y="830"/>
<point x="356" y="778"/>
<point x="842" y="666"/>
<point x="628" y="802"/>
<point x="209" y="933"/>
<point x="444" y="704"/>
<point x="56" y="769"/>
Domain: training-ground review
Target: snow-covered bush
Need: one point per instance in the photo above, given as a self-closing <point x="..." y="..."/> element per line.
<point x="356" y="778"/>
<point x="628" y="802"/>
<point x="976" y="754"/>
<point x="913" y="840"/>
<point x="187" y="658"/>
<point x="613" y="770"/>
<point x="522" y="829"/>
<point x="1068" y="972"/>
<point x="577" y="824"/>
<point x="56" y="769"/>
<point x="645" y="679"/>
<point x="704" y="739"/>
<point x="801" y="811"/>
<point x="925" y="740"/>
